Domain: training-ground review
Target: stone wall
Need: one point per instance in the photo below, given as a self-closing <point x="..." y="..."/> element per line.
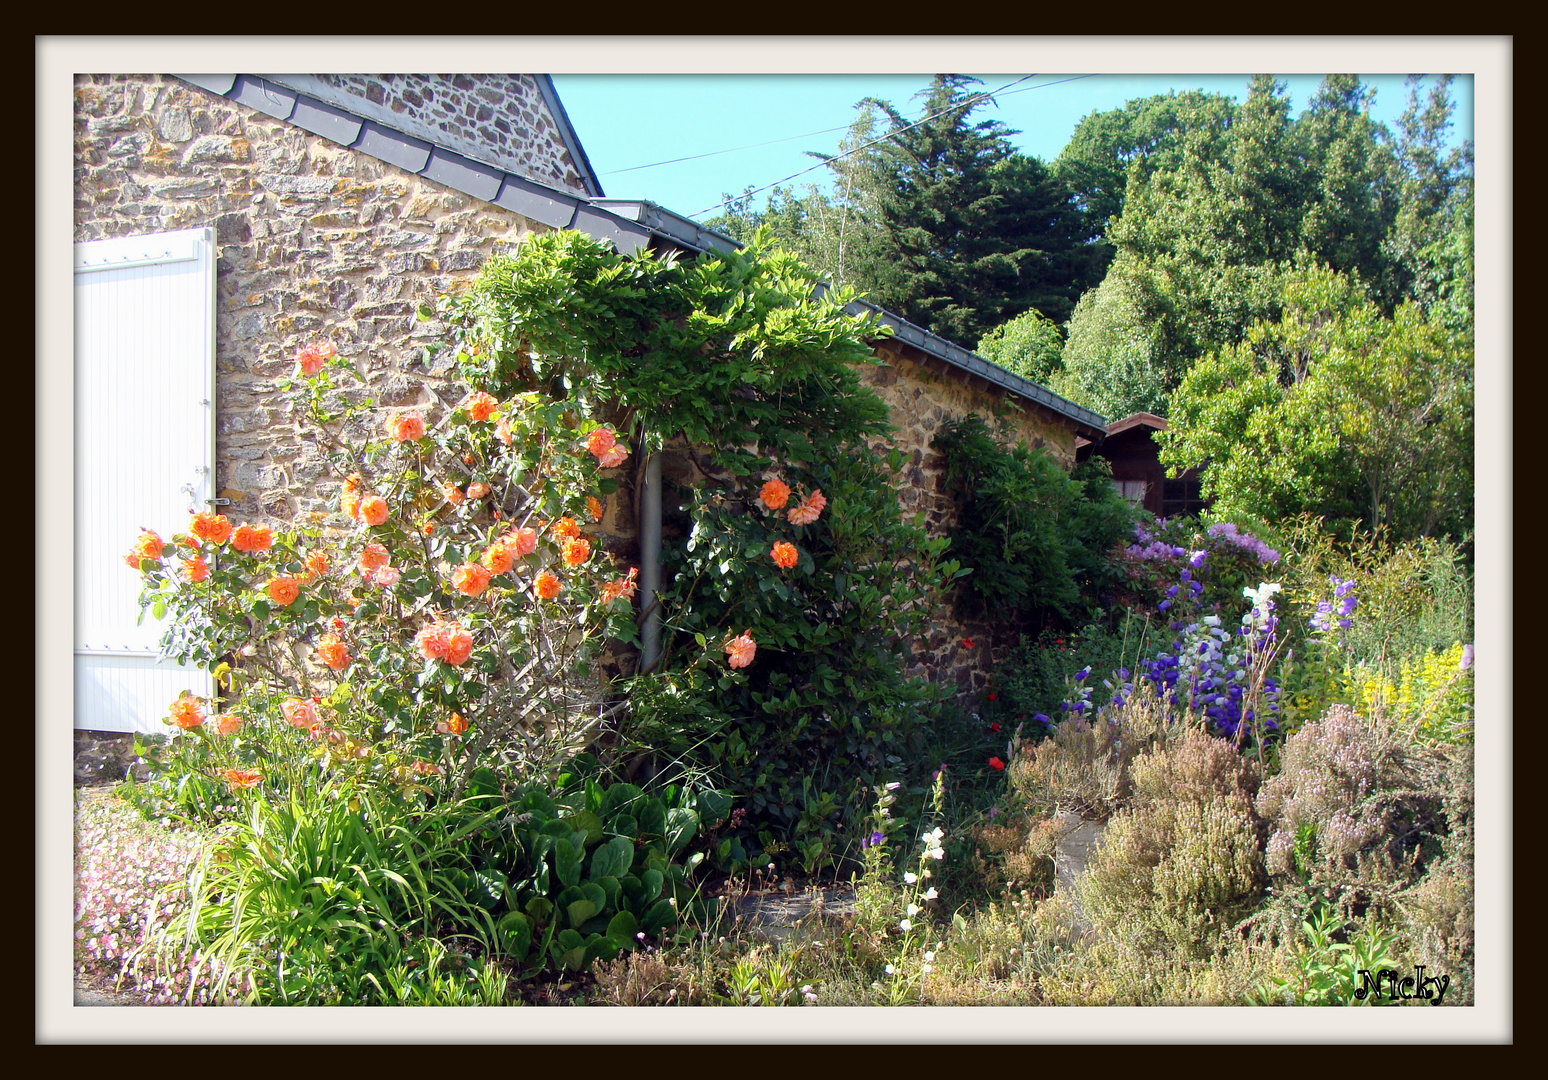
<point x="921" y="393"/>
<point x="313" y="241"/>
<point x="497" y="119"/>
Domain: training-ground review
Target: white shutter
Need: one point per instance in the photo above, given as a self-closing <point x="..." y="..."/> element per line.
<point x="145" y="454"/>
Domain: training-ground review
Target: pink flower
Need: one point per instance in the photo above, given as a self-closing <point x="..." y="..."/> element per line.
<point x="386" y="577"/>
<point x="312" y="357"/>
<point x="740" y="650"/>
<point x="300" y="712"/>
<point x="614" y="457"/>
<point x="809" y="510"/>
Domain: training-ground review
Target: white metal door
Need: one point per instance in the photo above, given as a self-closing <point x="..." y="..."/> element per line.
<point x="144" y="457"/>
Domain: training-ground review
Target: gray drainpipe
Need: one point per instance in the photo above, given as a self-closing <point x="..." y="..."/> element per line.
<point x="650" y="563"/>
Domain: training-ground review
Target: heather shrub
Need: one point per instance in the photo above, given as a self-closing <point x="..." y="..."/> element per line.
<point x="1182" y="864"/>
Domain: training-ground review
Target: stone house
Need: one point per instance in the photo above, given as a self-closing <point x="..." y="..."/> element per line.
<point x="331" y="206"/>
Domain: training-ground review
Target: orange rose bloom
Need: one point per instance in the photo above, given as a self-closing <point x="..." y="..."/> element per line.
<point x="809" y="510"/>
<point x="373" y="510"/>
<point x="785" y="555"/>
<point x="522" y="541"/>
<point x="238" y="779"/>
<point x="444" y="641"/>
<point x="614" y="457"/>
<point x="374" y="557"/>
<point x="187" y="713"/>
<point x="499" y="557"/>
<point x="424" y="768"/>
<point x="452" y="725"/>
<point x="211" y="528"/>
<point x="406" y="427"/>
<point x="576" y="551"/>
<point x="740" y="650"/>
<point x="284" y="590"/>
<point x="594" y="505"/>
<point x="566" y="528"/>
<point x="453" y="494"/>
<point x="349" y="503"/>
<point x="226" y="723"/>
<point x="252" y="537"/>
<point x="478" y="489"/>
<point x="775" y="494"/>
<point x="548" y="586"/>
<point x="300" y="712"/>
<point x="480" y="406"/>
<point x="148" y="546"/>
<point x="331" y="650"/>
<point x="620" y="587"/>
<point x="196" y="569"/>
<point x="503" y="431"/>
<point x="600" y="441"/>
<point x="312" y="357"/>
<point x="470" y="579"/>
<point x="316" y="562"/>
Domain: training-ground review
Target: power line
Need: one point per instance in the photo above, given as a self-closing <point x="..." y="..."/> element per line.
<point x="966" y="103"/>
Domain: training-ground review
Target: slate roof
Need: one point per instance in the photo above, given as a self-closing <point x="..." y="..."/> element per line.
<point x="628" y="224"/>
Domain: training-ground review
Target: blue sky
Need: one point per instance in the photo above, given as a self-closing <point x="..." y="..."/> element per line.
<point x="753" y="130"/>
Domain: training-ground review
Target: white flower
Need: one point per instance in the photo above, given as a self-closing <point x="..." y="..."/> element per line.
<point x="894" y="785"/>
<point x="910" y="877"/>
<point x="929" y="958"/>
<point x="891" y="970"/>
<point x="925" y="969"/>
<point x="913" y="909"/>
<point x="905" y="926"/>
<point x="937" y="854"/>
<point x="930" y="893"/>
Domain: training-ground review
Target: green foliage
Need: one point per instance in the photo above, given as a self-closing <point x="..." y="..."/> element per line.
<point x="1036" y="537"/>
<point x="1029" y="345"/>
<point x="1327" y="971"/>
<point x="322" y="896"/>
<point x="1334" y="410"/>
<point x="730" y="363"/>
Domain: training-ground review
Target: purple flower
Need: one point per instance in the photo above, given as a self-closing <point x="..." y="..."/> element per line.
<point x="1041" y="719"/>
<point x="1163" y="605"/>
<point x="1467" y="656"/>
<point x="1196" y="560"/>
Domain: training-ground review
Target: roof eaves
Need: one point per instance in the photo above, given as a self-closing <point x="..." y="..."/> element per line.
<point x="572" y="143"/>
<point x="487" y="183"/>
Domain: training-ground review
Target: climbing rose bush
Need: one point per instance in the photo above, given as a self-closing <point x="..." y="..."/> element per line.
<point x="449" y="615"/>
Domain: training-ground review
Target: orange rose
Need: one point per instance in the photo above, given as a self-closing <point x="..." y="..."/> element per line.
<point x="444" y="641"/>
<point x="785" y="555"/>
<point x="316" y="563"/>
<point x="470" y="579"/>
<point x="373" y="510"/>
<point x="311" y="358"/>
<point x="349" y="503"/>
<point x="809" y="510"/>
<point x="406" y="427"/>
<point x="548" y="586"/>
<point x="480" y="406"/>
<point x="284" y="590"/>
<point x="187" y="712"/>
<point x="614" y="457"/>
<point x="522" y="541"/>
<point x="576" y="551"/>
<point x="211" y="528"/>
<point x="620" y="587"/>
<point x="499" y="558"/>
<point x="226" y="723"/>
<point x="195" y="569"/>
<point x="300" y="712"/>
<point x="594" y="505"/>
<point x="373" y="557"/>
<point x="503" y="431"/>
<point x="775" y="494"/>
<point x="252" y="537"/>
<point x="478" y="489"/>
<point x="740" y="650"/>
<point x="600" y="441"/>
<point x="331" y="649"/>
<point x="424" y="768"/>
<point x="566" y="528"/>
<point x="148" y="546"/>
<point x="453" y="494"/>
<point x="459" y="645"/>
<point x="237" y="779"/>
<point x="452" y="725"/>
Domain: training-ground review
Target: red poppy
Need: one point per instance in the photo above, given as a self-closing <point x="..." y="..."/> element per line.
<point x="996" y="764"/>
<point x="967" y="643"/>
<point x="995" y="726"/>
<point x="994" y="697"/>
